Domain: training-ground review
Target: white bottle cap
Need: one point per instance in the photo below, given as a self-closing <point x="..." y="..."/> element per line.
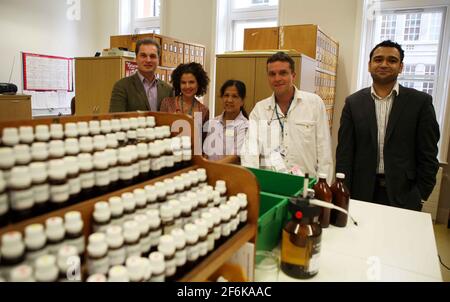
<point x="160" y="189"/>
<point x="99" y="142"/>
<point x="133" y="123"/>
<point x="101" y="160"/>
<point x="179" y="183"/>
<point x="96" y="278"/>
<point x="7" y="158"/>
<point x="10" y="136"/>
<point x="192" y="199"/>
<point x="22" y="273"/>
<point x="166" y="212"/>
<point x="141" y="134"/>
<point x="225" y="212"/>
<point x="56" y="131"/>
<point x="39" y="151"/>
<point x="71" y="146"/>
<point x="111" y="141"/>
<point x="97" y="245"/>
<point x="221" y="186"/>
<point x="116" y="206"/>
<point x="166" y="245"/>
<point x="185" y="204"/>
<point x="115" y="125"/>
<point x="150" y="120"/>
<point x="191" y="233"/>
<point x="35" y="237"/>
<point x="102" y="211"/>
<point x="94" y="127"/>
<point x="170" y="186"/>
<point x="125" y="124"/>
<point x="202" y="227"/>
<point x="175" y="143"/>
<point x="56" y="148"/>
<point x="73" y="222"/>
<point x="142" y="150"/>
<point x="176" y="207"/>
<point x="129" y="204"/>
<point x="83" y="128"/>
<point x="166" y="131"/>
<point x="71" y="130"/>
<point x="141" y="122"/>
<point x="65" y="253"/>
<point x="150" y="133"/>
<point x="157" y="263"/>
<point x="121" y="136"/>
<point x="105" y="126"/>
<point x="111" y="154"/>
<point x="202" y="197"/>
<point x="118" y="273"/>
<point x="86" y="144"/>
<point x="12" y="245"/>
<point x="131" y="134"/>
<point x="54" y="228"/>
<point x="71" y="163"/>
<point x="151" y="193"/>
<point x="140" y="196"/>
<point x="85" y="161"/>
<point x="143" y="223"/>
<point x="57" y="169"/>
<point x="45" y="269"/>
<point x="216" y="197"/>
<point x="135" y="269"/>
<point x="202" y="174"/>
<point x="26" y="135"/>
<point x="22" y="154"/>
<point x="153" y="218"/>
<point x="42" y="133"/>
<point x="20" y="177"/>
<point x="215" y="213"/>
<point x="131" y="230"/>
<point x="114" y="236"/>
<point x="179" y="238"/>
<point x="207" y="217"/>
<point x="340" y="175"/>
<point x="322" y="175"/>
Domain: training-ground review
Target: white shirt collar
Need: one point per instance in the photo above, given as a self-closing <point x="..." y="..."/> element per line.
<point x="396" y="89"/>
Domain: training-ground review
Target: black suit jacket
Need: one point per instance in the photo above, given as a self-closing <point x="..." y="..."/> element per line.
<point x="410" y="147"/>
<point x="128" y="94"/>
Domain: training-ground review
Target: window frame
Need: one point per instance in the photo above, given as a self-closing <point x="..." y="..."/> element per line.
<point x="130" y="24"/>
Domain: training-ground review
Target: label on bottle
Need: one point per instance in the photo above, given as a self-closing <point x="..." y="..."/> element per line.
<point x="117" y="256"/>
<point x="59" y="193"/>
<point x="21" y="199"/>
<point x="41" y="193"/>
<point x="87" y="180"/>
<point x="3" y="203"/>
<point x="98" y="266"/>
<point x="126" y="172"/>
<point x="102" y="178"/>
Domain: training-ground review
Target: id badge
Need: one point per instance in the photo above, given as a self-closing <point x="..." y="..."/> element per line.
<point x="277" y="160"/>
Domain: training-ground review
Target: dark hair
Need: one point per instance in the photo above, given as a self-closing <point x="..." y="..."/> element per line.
<point x="199" y="73"/>
<point x="283" y="57"/>
<point x="147" y="41"/>
<point x="389" y="43"/>
<point x="240" y="86"/>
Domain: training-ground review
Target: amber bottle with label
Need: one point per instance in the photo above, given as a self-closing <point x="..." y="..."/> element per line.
<point x="300" y="245"/>
<point x="323" y="192"/>
<point x="341" y="198"/>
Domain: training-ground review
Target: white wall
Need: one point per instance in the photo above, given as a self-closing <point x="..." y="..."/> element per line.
<point x="342" y="21"/>
<point x="41" y="26"/>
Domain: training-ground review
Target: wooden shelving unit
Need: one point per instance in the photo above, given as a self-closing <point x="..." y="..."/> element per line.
<point x="239" y="180"/>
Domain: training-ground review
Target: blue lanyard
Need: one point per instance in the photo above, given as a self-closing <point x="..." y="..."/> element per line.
<point x="279" y="118"/>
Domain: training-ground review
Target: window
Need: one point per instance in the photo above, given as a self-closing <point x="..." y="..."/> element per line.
<point x="140" y="16"/>
<point x="388" y="26"/>
<point x="428" y="87"/>
<point x="412" y="27"/>
<point x="420" y="31"/>
<point x="234" y="16"/>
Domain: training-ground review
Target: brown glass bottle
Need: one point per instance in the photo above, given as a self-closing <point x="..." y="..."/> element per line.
<point x="341" y="198"/>
<point x="300" y="245"/>
<point x="323" y="192"/>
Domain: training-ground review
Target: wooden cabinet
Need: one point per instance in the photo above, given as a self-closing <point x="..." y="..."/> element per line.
<point x="251" y="68"/>
<point x="261" y="38"/>
<point x="94" y="81"/>
<point x="15" y="107"/>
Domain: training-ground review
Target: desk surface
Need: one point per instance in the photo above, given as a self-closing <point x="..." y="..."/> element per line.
<point x="389" y="244"/>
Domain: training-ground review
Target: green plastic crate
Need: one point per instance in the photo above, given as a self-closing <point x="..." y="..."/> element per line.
<point x="272" y="215"/>
<point x="275" y="188"/>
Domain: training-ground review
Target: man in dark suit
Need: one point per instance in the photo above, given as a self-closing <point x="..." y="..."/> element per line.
<point x="387" y="144"/>
<point x="141" y="91"/>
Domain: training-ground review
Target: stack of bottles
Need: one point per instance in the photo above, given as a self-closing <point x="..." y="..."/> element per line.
<point x="155" y="233"/>
<point x="48" y="167"/>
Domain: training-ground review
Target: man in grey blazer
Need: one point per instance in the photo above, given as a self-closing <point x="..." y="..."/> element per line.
<point x="141" y="91"/>
<point x="387" y="144"/>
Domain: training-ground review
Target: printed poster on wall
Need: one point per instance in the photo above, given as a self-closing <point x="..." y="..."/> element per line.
<point x="130" y="68"/>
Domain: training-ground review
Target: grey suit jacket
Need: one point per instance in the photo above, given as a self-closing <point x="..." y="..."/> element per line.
<point x="128" y="94"/>
<point x="410" y="147"/>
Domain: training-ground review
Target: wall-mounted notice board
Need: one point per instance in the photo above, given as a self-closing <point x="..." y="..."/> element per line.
<point x="47" y="73"/>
